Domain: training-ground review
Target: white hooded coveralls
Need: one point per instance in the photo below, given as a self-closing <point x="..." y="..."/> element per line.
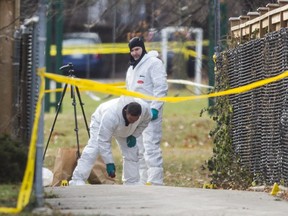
<point x="107" y="122"/>
<point x="149" y="77"/>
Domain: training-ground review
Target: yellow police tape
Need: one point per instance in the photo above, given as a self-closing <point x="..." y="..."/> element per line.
<point x="91" y="85"/>
<point x="27" y="183"/>
<point x="122" y="85"/>
<point x="26" y="187"/>
<point x="122" y="48"/>
<point x="116" y="84"/>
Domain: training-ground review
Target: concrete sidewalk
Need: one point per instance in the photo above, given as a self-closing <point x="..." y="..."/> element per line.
<point x="162" y="200"/>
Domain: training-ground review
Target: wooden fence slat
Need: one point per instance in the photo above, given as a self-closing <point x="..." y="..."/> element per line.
<point x="271" y="18"/>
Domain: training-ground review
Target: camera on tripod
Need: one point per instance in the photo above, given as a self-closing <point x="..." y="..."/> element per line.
<point x="74" y="93"/>
<point x="68" y="69"/>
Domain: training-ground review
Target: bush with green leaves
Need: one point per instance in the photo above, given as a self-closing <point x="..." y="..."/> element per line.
<point x="13" y="157"/>
<point x="227" y="171"/>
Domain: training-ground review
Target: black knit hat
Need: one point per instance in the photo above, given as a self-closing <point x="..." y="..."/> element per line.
<point x="137" y="42"/>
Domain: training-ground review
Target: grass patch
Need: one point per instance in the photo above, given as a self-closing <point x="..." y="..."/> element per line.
<point x="9" y="194"/>
<point x="184" y="167"/>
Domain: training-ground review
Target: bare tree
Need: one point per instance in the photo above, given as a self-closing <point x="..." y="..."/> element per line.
<point x="242" y="7"/>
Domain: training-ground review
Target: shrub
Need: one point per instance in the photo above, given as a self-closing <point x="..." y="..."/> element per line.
<point x="13" y="157"/>
<point x="225" y="165"/>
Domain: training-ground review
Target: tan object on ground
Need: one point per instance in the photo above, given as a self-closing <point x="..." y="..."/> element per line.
<point x="65" y="163"/>
<point x="99" y="175"/>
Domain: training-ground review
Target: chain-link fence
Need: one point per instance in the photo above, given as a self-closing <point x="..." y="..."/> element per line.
<point x="26" y="81"/>
<point x="260" y="116"/>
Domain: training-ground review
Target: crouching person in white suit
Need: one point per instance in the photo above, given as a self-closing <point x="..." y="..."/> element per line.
<point x="123" y="118"/>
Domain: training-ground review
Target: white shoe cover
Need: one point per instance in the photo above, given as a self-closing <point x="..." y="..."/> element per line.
<point x="76" y="182"/>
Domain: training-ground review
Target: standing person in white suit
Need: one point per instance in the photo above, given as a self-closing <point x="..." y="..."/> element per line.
<point x="123" y="118"/>
<point x="146" y="74"/>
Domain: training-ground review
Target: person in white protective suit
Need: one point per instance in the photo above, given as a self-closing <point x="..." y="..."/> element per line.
<point x="146" y="74"/>
<point x="123" y="118"/>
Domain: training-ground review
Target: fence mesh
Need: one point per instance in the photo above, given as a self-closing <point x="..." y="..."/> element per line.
<point x="260" y="116"/>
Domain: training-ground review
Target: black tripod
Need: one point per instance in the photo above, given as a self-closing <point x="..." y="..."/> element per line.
<point x="70" y="70"/>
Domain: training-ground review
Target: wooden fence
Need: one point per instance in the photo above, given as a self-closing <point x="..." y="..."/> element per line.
<point x="256" y="24"/>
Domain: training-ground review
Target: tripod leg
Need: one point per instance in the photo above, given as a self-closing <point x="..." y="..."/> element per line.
<point x="82" y="108"/>
<point x="75" y="118"/>
<point x="57" y="112"/>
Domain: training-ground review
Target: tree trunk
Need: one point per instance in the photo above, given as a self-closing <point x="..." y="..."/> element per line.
<point x="8" y="12"/>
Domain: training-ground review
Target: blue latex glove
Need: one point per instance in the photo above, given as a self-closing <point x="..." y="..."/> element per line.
<point x="110" y="168"/>
<point x="131" y="141"/>
<point x="154" y="114"/>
